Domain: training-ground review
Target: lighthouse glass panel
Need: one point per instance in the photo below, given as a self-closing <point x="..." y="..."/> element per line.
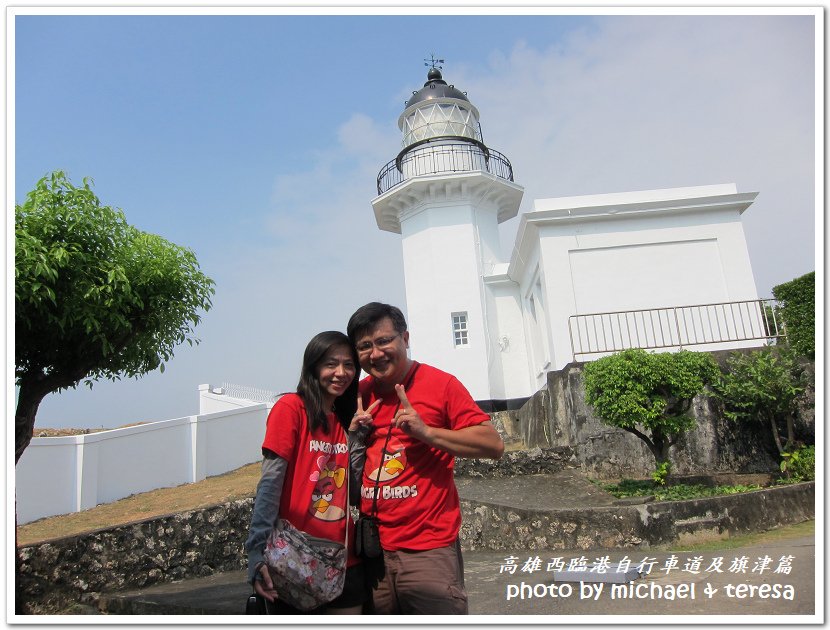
<point x="439" y="119"/>
<point x="459" y="328"/>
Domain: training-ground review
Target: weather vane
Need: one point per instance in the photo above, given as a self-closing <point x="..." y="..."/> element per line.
<point x="432" y="61"/>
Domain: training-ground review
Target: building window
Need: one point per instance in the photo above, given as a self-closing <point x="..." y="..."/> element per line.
<point x="459" y="329"/>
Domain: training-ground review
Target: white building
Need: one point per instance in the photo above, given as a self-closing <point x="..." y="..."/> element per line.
<point x="588" y="275"/>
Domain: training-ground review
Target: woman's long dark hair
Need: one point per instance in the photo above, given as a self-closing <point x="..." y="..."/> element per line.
<point x="309" y="388"/>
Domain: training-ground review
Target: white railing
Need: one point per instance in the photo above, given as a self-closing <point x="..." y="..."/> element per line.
<point x="727" y="324"/>
<point x="59" y="475"/>
<point x="254" y="394"/>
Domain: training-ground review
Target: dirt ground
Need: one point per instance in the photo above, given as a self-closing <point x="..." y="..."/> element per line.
<point x="237" y="484"/>
<point x="38" y="432"/>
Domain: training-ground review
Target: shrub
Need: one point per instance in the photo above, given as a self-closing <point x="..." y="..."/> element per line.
<point x="798" y="304"/>
<point x="763" y="386"/>
<point x="661" y="473"/>
<point x="799" y="464"/>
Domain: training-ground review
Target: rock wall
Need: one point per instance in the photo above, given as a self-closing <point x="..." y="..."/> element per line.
<point x="507" y="424"/>
<point x="191" y="544"/>
<point x="526" y="462"/>
<point x="558" y="416"/>
<point x="492" y="526"/>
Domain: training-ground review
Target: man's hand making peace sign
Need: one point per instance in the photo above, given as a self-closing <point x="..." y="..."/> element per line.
<point x="408" y="420"/>
<point x="481" y="440"/>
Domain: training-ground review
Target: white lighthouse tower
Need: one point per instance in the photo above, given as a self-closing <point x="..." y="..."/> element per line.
<point x="446" y="193"/>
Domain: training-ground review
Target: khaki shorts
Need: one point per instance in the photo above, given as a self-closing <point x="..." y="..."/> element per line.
<point x="421" y="583"/>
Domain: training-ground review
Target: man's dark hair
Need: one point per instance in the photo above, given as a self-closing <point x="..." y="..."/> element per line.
<point x="366" y="317"/>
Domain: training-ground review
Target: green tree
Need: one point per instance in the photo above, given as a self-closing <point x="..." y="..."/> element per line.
<point x="798" y="310"/>
<point x="763" y="386"/>
<point x="649" y="395"/>
<point x="94" y="297"/>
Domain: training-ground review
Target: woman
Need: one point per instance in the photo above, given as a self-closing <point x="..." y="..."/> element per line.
<point x="305" y="464"/>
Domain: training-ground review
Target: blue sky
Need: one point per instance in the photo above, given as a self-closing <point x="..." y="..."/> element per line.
<point x="255" y="140"/>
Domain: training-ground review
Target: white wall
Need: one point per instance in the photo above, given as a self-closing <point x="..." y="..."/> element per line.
<point x="443" y="275"/>
<point x="58" y="475"/>
<point x="647" y="275"/>
<point x="629" y="251"/>
<point x="509" y="376"/>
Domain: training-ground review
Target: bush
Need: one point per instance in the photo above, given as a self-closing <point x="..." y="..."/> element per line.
<point x="661" y="473"/>
<point x="798" y="304"/>
<point x="799" y="464"/>
<point x="763" y="386"/>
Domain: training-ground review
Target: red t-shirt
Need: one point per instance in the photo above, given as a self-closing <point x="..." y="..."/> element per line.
<point x="417" y="505"/>
<point x="314" y="494"/>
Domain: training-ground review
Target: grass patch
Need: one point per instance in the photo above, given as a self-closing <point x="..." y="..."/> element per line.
<point x="678" y="492"/>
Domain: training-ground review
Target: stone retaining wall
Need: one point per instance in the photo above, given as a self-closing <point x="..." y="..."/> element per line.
<point x="490" y="526"/>
<point x="190" y="544"/>
<point x="558" y="416"/>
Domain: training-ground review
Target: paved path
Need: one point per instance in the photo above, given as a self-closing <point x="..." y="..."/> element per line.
<point x="493" y="590"/>
<point x="496" y="591"/>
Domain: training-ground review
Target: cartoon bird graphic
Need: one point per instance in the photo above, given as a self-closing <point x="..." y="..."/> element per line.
<point x="326" y="483"/>
<point x="392" y="464"/>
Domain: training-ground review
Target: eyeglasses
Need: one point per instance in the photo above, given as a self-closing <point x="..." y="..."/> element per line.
<point x="380" y="344"/>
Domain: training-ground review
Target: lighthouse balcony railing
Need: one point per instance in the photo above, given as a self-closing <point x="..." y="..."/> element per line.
<point x="439" y="157"/>
<point x="729" y="324"/>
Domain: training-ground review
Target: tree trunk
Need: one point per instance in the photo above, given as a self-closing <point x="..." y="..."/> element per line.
<point x="658" y="444"/>
<point x="28" y="401"/>
<point x="33" y="389"/>
<point x="662" y="445"/>
<point x="774" y="427"/>
<point x="790" y="431"/>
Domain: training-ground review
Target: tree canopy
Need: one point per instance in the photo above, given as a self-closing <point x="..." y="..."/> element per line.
<point x="649" y="395"/>
<point x="94" y="296"/>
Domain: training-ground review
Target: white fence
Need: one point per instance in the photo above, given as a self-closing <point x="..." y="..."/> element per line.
<point x="58" y="475"/>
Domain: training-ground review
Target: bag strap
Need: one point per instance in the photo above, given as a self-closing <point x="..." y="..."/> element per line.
<point x="348" y="512"/>
<point x="348" y="509"/>
<point x="409" y="380"/>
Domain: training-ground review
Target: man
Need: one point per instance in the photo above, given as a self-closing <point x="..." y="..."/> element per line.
<point x="425" y="419"/>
